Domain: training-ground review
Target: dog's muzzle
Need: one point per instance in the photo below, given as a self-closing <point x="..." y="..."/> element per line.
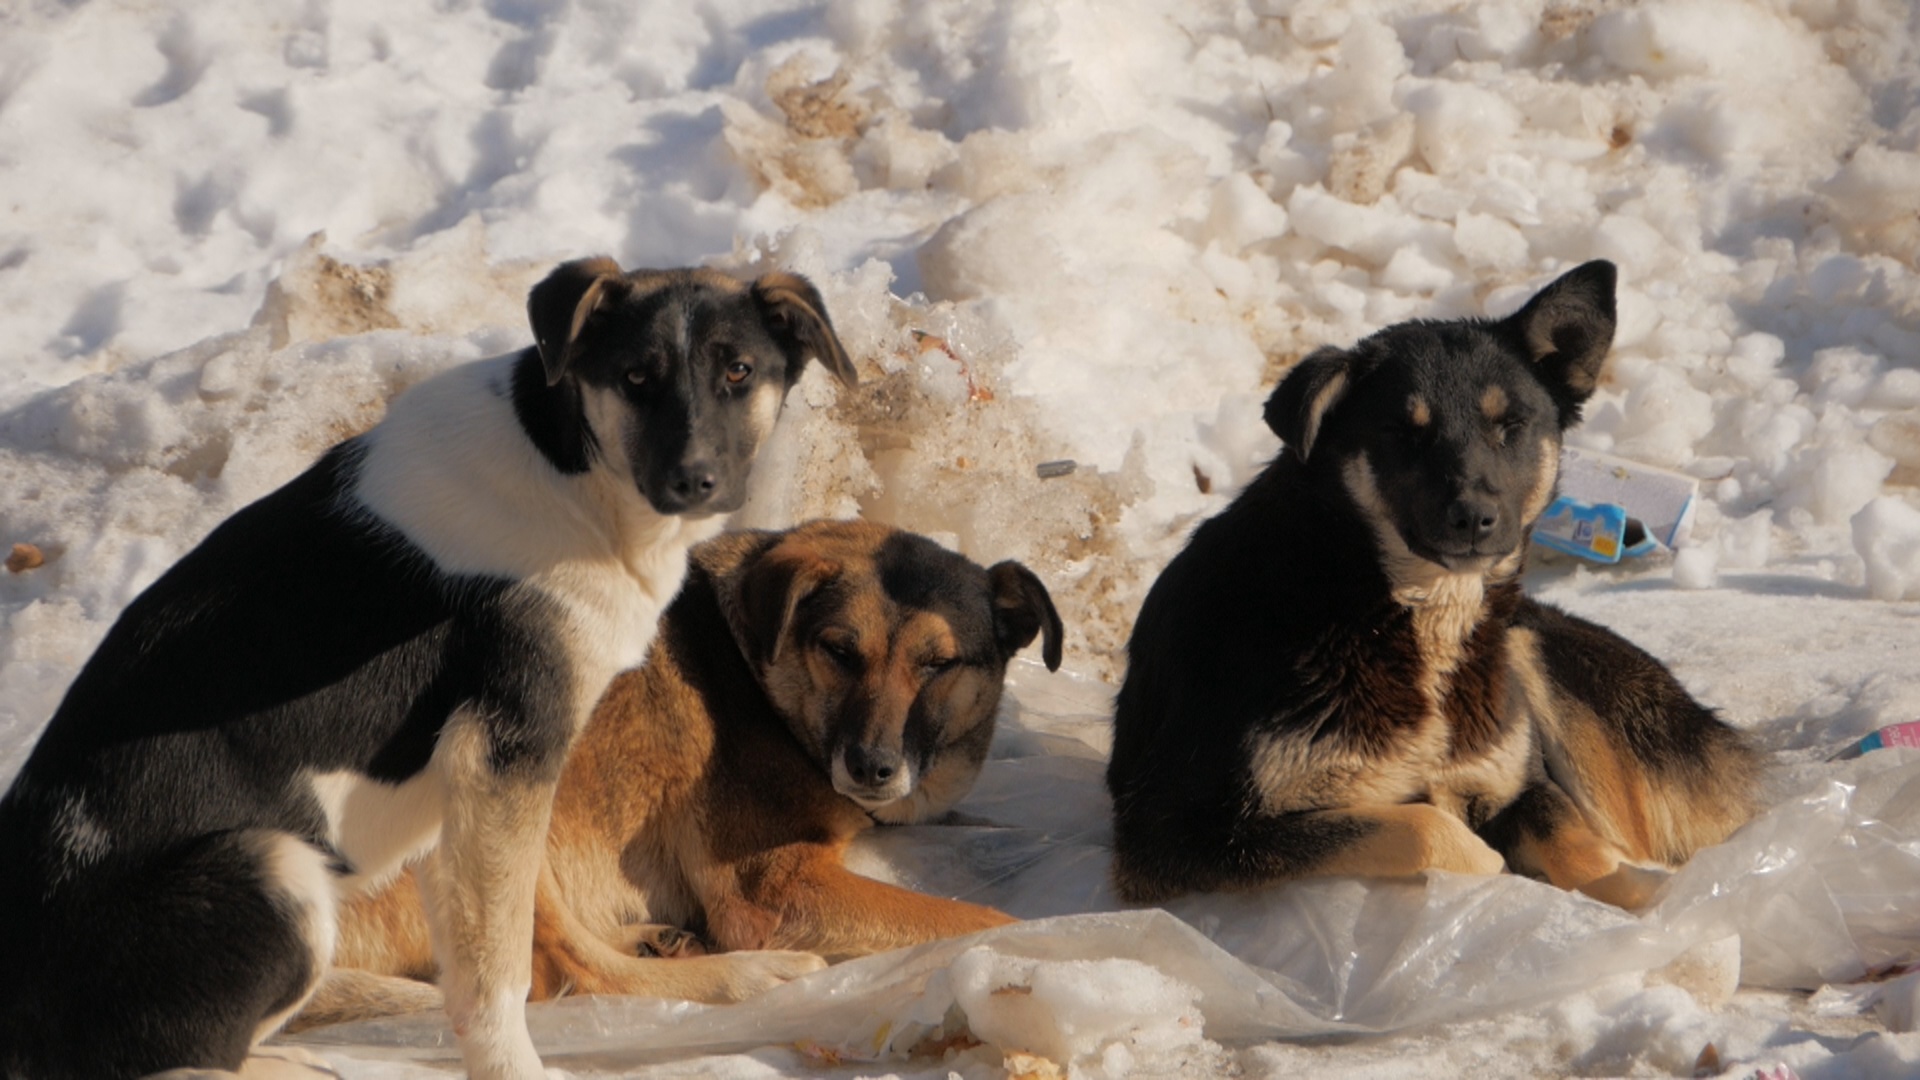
<point x="872" y="776"/>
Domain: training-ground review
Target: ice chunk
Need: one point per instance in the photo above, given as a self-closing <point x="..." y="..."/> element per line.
<point x="1409" y="271"/>
<point x="1459" y="126"/>
<point x="1488" y="243"/>
<point x="1747" y="543"/>
<point x="1886" y="533"/>
<point x="1696" y="568"/>
<point x="1843" y="477"/>
<point x="1843" y="374"/>
<point x="1070" y="1010"/>
<point x="1243" y="213"/>
<point x="1755" y="358"/>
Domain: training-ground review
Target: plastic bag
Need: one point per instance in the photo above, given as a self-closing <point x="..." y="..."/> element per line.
<point x="1820" y="888"/>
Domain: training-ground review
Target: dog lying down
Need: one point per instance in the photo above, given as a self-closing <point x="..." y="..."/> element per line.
<point x="393" y="651"/>
<point x="804" y="685"/>
<point x="1340" y="675"/>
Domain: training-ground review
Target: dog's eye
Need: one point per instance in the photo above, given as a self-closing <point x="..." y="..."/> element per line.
<point x="843" y="652"/>
<point x="738" y="371"/>
<point x="938" y="664"/>
<point x="636" y="377"/>
<point x="1507" y="430"/>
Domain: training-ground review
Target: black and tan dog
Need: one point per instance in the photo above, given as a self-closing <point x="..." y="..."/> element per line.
<point x="804" y="685"/>
<point x="1339" y="675"/>
<point x="390" y="655"/>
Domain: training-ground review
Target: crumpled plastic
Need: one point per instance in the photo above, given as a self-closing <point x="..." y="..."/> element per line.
<point x="1819" y="889"/>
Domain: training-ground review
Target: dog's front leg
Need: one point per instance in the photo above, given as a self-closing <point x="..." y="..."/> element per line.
<point x="802" y="896"/>
<point x="480" y="888"/>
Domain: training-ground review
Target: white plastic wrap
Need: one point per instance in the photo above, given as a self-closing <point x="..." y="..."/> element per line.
<point x="1820" y="889"/>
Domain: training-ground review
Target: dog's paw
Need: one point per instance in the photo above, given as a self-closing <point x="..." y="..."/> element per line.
<point x="264" y="1063"/>
<point x="654" y="940"/>
<point x="286" y="1063"/>
<point x="1447" y="844"/>
<point x="752" y="972"/>
<point x="1482" y="859"/>
<point x="1630" y="887"/>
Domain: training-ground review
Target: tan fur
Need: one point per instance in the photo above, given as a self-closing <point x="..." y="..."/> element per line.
<point x="1548" y="462"/>
<point x="1322" y="401"/>
<point x="1493" y="403"/>
<point x="1644" y="820"/>
<point x="480" y="882"/>
<point x="1407" y="839"/>
<point x="349" y="994"/>
<point x="1576" y="858"/>
<point x="660" y="820"/>
<point x="1418" y="411"/>
<point x="1295" y="771"/>
<point x="1446" y="603"/>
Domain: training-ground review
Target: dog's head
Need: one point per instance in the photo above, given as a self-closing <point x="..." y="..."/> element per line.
<point x="674" y="377"/>
<point x="1447" y="435"/>
<point x="885" y="652"/>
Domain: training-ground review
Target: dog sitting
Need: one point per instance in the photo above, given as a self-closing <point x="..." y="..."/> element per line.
<point x="1340" y="675"/>
<point x="805" y="685"/>
<point x="392" y="652"/>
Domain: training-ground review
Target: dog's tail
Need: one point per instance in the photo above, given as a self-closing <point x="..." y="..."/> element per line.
<point x="348" y="995"/>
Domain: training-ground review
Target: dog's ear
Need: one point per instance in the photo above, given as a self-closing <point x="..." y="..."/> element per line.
<point x="1567" y="329"/>
<point x="1304" y="397"/>
<point x="1021" y="609"/>
<point x="793" y="312"/>
<point x="770" y="592"/>
<point x="559" y="306"/>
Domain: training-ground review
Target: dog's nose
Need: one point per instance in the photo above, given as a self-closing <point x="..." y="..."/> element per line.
<point x="872" y="767"/>
<point x="693" y="483"/>
<point x="1473" y="519"/>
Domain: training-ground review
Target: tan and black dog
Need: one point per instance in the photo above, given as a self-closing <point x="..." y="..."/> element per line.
<point x="803" y="685"/>
<point x="1340" y="675"/>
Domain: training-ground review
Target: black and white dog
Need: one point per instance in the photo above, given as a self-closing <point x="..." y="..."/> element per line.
<point x="389" y="655"/>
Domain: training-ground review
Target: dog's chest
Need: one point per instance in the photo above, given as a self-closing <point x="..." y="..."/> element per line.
<point x="611" y="608"/>
<point x="1414" y="708"/>
<point x="454" y="472"/>
<point x="1468" y="748"/>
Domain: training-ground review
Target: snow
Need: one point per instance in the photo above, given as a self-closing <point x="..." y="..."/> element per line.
<point x="1094" y="230"/>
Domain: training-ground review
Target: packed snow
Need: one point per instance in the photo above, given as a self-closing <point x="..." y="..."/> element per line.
<point x="1093" y="231"/>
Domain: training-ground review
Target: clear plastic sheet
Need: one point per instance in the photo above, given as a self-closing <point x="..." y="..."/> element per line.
<point x="1820" y="889"/>
<point x="1824" y="887"/>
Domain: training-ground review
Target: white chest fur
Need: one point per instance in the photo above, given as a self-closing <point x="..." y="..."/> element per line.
<point x="454" y="472"/>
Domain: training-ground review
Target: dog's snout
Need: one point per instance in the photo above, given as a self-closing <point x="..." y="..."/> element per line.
<point x="872" y="767"/>
<point x="693" y="483"/>
<point x="1473" y="519"/>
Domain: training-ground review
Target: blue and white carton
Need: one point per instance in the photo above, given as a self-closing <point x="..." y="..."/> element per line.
<point x="1610" y="507"/>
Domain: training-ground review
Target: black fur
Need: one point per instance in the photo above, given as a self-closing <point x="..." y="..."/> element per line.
<point x="301" y="635"/>
<point x="1235" y="637"/>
